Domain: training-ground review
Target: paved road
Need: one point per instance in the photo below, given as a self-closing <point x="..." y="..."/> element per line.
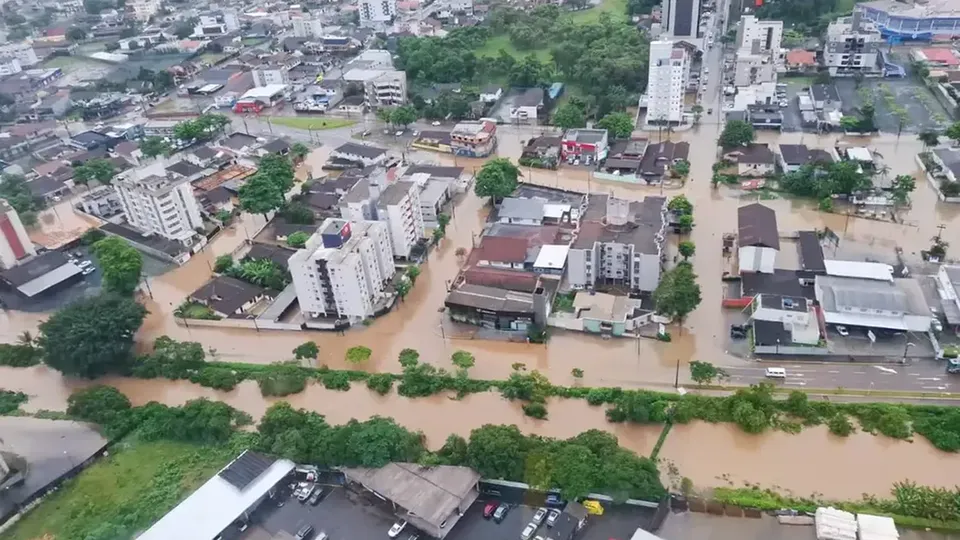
<point x="918" y="375"/>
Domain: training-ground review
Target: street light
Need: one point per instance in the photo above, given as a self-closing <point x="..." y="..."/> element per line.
<point x="905" y="348"/>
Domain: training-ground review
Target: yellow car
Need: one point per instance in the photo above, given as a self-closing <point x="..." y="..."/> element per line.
<point x="593" y="507"/>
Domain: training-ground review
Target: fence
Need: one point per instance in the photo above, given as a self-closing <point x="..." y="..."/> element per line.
<point x="249" y="324"/>
<point x="791" y="350"/>
<point x="934" y="183"/>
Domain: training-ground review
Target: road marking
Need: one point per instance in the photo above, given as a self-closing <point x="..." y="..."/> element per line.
<point x="833" y="372"/>
<point x="800" y="383"/>
<point x="928" y="378"/>
<point x="886" y="370"/>
<point x="859" y="372"/>
<point x="934" y="387"/>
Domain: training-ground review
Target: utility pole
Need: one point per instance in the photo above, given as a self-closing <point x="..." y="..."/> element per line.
<point x="940" y="229"/>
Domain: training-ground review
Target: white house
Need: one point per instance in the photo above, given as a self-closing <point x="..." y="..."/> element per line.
<point x="758" y="238"/>
<point x="521" y="211"/>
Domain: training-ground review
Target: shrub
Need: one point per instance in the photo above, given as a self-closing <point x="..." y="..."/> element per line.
<point x="535" y="410"/>
<point x="358" y="354"/>
<point x="11" y="401"/>
<point x="599" y="396"/>
<point x="380" y="383"/>
<point x="336" y="380"/>
<point x="840" y="425"/>
<point x="19" y="355"/>
<point x="216" y="377"/>
<point x="282" y="381"/>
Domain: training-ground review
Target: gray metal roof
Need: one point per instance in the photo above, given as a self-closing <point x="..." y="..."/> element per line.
<point x="521" y="208"/>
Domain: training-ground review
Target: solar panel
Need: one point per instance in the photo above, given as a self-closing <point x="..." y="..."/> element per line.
<point x="245" y="469"/>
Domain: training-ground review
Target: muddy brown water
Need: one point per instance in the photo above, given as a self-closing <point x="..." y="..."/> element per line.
<point x="812" y="461"/>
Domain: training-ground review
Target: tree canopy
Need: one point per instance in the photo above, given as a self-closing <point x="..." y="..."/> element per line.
<point x="122" y="264"/>
<point x="14" y="189"/>
<point x="822" y="180"/>
<point x="678" y="293"/>
<point x="619" y="125"/>
<point x="152" y="147"/>
<point x="736" y="133"/>
<point x="204" y="127"/>
<point x="100" y="170"/>
<point x="569" y="115"/>
<point x="261" y="195"/>
<point x="497" y="178"/>
<point x="92" y="336"/>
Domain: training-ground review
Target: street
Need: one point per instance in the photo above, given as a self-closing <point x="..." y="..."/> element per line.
<point x="918" y="375"/>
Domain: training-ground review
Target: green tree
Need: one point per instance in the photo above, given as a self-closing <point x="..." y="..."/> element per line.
<point x="497" y="451"/>
<point x="122" y="264"/>
<point x="298" y="213"/>
<point x="697" y="111"/>
<point x="409" y="358"/>
<point x="75" y="33"/>
<point x="686" y="248"/>
<point x="299" y="151"/>
<point x="903" y="186"/>
<point x="680" y="204"/>
<point x="223" y="263"/>
<point x="402" y="288"/>
<point x="92" y="236"/>
<point x="619" y="125"/>
<point x="92" y="336"/>
<point x="278" y="170"/>
<point x="939" y="248"/>
<point x="569" y="116"/>
<point x="497" y="179"/>
<point x="678" y="293"/>
<point x="413" y="271"/>
<point x="705" y="372"/>
<point x="298" y="239"/>
<point x="100" y="170"/>
<point x="403" y="116"/>
<point x="385" y="115"/>
<point x="736" y="133"/>
<point x="929" y="138"/>
<point x="953" y="132"/>
<point x="261" y="195"/>
<point x="308" y="350"/>
<point x="462" y="359"/>
<point x="152" y="147"/>
<point x="358" y="354"/>
<point x="681" y="168"/>
<point x="103" y="405"/>
<point x="575" y="471"/>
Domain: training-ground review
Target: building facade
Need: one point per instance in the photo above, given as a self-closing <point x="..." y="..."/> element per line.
<point x="144" y="9"/>
<point x="344" y="269"/>
<point x="666" y="82"/>
<point x="14" y="242"/>
<point x="22" y="51"/>
<point x="680" y="18"/>
<point x="377" y="11"/>
<point x="399" y="207"/>
<point x="269" y="76"/>
<point x="159" y="202"/>
<point x="474" y="139"/>
<point x="381" y="87"/>
<point x="852" y="45"/>
<point x="307" y="27"/>
<point x="936" y="19"/>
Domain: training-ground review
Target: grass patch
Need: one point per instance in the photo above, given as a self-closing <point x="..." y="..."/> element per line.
<point x="302" y="122"/>
<point x="617" y="9"/>
<point x="195" y="310"/>
<point x="212" y="57"/>
<point x="493" y="46"/>
<point x="252" y="41"/>
<point x="137" y="484"/>
<point x="68" y="63"/>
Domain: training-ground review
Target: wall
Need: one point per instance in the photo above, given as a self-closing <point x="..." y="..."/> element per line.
<point x="934" y="183"/>
<point x="649" y="276"/>
<point x="791" y="351"/>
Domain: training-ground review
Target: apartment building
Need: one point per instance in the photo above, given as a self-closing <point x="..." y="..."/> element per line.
<point x="161" y="202"/>
<point x="852" y="45"/>
<point x="22" y="51"/>
<point x="666" y="82"/>
<point x="344" y="269"/>
<point x="9" y="66"/>
<point x="381" y="87"/>
<point x="760" y="36"/>
<point x="144" y="9"/>
<point x="399" y="207"/>
<point x="680" y="18"/>
<point x="373" y="12"/>
<point x="267" y="76"/>
<point x="307" y="27"/>
<point x="619" y="244"/>
<point x="14" y="242"/>
<point x="474" y="139"/>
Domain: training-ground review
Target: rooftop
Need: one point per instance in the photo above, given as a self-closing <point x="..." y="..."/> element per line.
<point x="395" y="193"/>
<point x="490" y="298"/>
<point x="362" y="150"/>
<point x="588" y="136"/>
<point x="811" y="252"/>
<point x="502" y="249"/>
<point x="801" y="57"/>
<point x="644" y="227"/>
<point x="44" y="270"/>
<point x="757" y="226"/>
<point x="603" y="306"/>
<point x="226" y="295"/>
<point x="513" y="208"/>
<point x="754" y="153"/>
<point x="861" y="298"/>
<point x="931" y="8"/>
<point x="531" y="97"/>
<point x="784" y="303"/>
<point x="434" y="170"/>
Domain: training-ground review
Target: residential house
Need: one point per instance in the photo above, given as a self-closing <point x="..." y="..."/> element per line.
<point x="521" y="211"/>
<point x="543" y="152"/>
<point x="754" y="160"/>
<point x="794" y="156"/>
<point x="825" y="98"/>
<point x="587" y="145"/>
<point x="765" y="116"/>
<point x="758" y="238"/>
<point x="230" y="297"/>
<point x="658" y="158"/>
<point x="474" y="139"/>
<point x="527" y="105"/>
<point x="502" y="252"/>
<point x="801" y="61"/>
<point x="360" y="154"/>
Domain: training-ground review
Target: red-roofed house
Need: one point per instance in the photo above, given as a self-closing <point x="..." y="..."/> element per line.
<point x="501" y="252"/>
<point x="799" y="60"/>
<point x="932" y="57"/>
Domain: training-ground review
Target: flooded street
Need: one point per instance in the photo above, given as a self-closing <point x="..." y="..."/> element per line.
<point x="810" y="462"/>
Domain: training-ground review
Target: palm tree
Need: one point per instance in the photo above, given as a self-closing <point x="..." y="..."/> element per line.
<point x="26" y="338"/>
<point x="929" y="138"/>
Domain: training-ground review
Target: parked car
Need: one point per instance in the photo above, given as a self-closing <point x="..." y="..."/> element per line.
<point x="937" y="325"/>
<point x="501" y="512"/>
<point x="842" y="330"/>
<point x="528" y="531"/>
<point x="435" y="123"/>
<point x="306" y="493"/>
<point x="489" y="509"/>
<point x="397" y="528"/>
<point x="552" y="517"/>
<point x="554" y="500"/>
<point x="305" y="533"/>
<point x="539" y="515"/>
<point x="89" y="271"/>
<point x="315" y="498"/>
<point x="84" y="264"/>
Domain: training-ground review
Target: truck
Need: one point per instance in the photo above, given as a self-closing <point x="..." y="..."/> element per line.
<point x="953" y="366"/>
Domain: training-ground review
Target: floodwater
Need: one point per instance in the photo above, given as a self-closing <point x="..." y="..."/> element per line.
<point x="810" y="462"/>
<point x="418" y="322"/>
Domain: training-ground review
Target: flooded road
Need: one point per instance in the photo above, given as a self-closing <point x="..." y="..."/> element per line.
<point x="417" y="321"/>
<point x="810" y="462"/>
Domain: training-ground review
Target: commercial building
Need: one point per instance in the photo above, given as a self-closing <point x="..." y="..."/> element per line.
<point x="852" y="45"/>
<point x="157" y="201"/>
<point x="587" y="145"/>
<point x="22" y="51"/>
<point x="666" y="82"/>
<point x="432" y="499"/>
<point x="948" y="287"/>
<point x="474" y="139"/>
<point x="40" y="274"/>
<point x="373" y="12"/>
<point x="935" y="20"/>
<point x="758" y="238"/>
<point x="226" y="502"/>
<point x="144" y="9"/>
<point x="381" y="87"/>
<point x="680" y="18"/>
<point x="14" y="242"/>
<point x="399" y="207"/>
<point x="502" y="307"/>
<point x="620" y="243"/>
<point x="895" y="304"/>
<point x="343" y="270"/>
<point x="9" y="66"/>
<point x="307" y="26"/>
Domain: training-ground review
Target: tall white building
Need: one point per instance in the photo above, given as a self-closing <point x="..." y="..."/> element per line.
<point x="681" y="18"/>
<point x="269" y="75"/>
<point x="157" y="201"/>
<point x="144" y="9"/>
<point x="22" y="51"/>
<point x="14" y="242"/>
<point x="381" y="87"/>
<point x="852" y="44"/>
<point x="9" y="66"/>
<point x="767" y="35"/>
<point x="666" y="82"/>
<point x="377" y="11"/>
<point x="306" y="26"/>
<point x="343" y="270"/>
<point x="399" y="207"/>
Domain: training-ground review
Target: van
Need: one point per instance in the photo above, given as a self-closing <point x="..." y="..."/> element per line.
<point x="776" y="373"/>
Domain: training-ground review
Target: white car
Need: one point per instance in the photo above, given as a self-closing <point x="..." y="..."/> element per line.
<point x="538" y="517"/>
<point x="397" y="528"/>
<point x="937" y="325"/>
<point x="842" y="330"/>
<point x="528" y="531"/>
<point x="89" y="271"/>
<point x="84" y="264"/>
<point x="552" y="518"/>
<point x="435" y="123"/>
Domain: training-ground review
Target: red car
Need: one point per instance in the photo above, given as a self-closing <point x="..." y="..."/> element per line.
<point x="489" y="509"/>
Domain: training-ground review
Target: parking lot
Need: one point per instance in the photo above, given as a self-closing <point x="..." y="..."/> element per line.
<point x="346" y="515"/>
